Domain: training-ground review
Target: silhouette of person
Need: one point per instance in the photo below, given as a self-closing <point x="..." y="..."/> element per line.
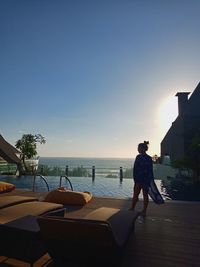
<point x="142" y="175"/>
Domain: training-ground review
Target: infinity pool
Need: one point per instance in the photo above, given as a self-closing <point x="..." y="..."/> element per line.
<point x="109" y="187"/>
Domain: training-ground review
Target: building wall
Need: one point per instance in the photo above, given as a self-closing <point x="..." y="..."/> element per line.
<point x="178" y="139"/>
<point x="173" y="142"/>
<point x="191" y="128"/>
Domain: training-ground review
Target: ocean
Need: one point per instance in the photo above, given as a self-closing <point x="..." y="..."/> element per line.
<point x="106" y="163"/>
<point x="104" y="167"/>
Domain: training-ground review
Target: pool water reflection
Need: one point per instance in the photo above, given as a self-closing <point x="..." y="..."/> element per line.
<point x="101" y="187"/>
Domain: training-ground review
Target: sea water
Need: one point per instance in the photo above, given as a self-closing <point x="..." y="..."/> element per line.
<point x="107" y="163"/>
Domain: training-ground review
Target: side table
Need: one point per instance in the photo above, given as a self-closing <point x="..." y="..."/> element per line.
<point x="20" y="239"/>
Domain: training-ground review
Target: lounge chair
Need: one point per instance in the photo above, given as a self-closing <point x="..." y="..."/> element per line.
<point x="19" y="230"/>
<point x="7" y="201"/>
<point x="98" y="238"/>
<point x="20" y="210"/>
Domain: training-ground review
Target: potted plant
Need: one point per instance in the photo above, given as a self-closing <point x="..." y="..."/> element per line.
<point x="28" y="147"/>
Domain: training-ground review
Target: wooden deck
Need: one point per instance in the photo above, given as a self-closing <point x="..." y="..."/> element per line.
<point x="168" y="237"/>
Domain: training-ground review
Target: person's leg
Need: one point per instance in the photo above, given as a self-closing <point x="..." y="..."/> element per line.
<point x="145" y="202"/>
<point x="136" y="192"/>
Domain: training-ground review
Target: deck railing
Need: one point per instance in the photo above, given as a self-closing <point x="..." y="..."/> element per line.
<point x="86" y="171"/>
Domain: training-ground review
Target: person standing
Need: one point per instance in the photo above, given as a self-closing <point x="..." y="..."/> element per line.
<point x="142" y="175"/>
<point x="144" y="179"/>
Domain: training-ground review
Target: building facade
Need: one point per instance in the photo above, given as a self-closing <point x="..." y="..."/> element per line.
<point x="177" y="140"/>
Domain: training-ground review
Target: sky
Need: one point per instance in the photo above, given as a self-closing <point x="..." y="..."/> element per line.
<point x="95" y="77"/>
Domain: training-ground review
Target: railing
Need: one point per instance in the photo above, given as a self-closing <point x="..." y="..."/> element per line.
<point x="86" y="171"/>
<point x="7" y="168"/>
<point x="94" y="171"/>
<point x="42" y="177"/>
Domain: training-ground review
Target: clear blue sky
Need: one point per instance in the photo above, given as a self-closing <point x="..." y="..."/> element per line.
<point x="95" y="77"/>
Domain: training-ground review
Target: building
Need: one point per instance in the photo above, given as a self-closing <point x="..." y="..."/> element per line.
<point x="8" y="153"/>
<point x="178" y="138"/>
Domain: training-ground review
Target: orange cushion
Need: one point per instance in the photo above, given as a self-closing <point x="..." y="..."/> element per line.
<point x="63" y="196"/>
<point x="6" y="187"/>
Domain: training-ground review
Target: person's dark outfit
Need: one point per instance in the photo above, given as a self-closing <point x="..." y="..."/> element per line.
<point x="143" y="175"/>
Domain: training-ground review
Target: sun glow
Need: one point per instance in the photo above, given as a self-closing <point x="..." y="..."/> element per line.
<point x="168" y="112"/>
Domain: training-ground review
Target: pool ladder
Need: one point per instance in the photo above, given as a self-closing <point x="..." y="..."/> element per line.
<point x="42" y="177"/>
<point x="67" y="179"/>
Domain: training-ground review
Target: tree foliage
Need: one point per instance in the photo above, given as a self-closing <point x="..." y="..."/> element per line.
<point x="28" y="144"/>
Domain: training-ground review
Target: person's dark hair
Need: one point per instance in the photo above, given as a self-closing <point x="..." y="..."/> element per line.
<point x="144" y="145"/>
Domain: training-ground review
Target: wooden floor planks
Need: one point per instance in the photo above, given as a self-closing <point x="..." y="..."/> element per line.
<point x="168" y="237"/>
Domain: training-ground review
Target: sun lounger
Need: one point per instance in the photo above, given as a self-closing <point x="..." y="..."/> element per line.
<point x="7" y="201"/>
<point x="20" y="239"/>
<point x="27" y="208"/>
<point x="99" y="237"/>
<point x="19" y="230"/>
